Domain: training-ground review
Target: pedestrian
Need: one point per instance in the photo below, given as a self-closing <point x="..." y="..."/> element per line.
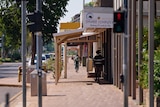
<point x="98" y="61"/>
<point x="76" y="62"/>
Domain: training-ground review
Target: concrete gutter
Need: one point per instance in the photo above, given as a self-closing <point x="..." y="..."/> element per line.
<point x="14" y="85"/>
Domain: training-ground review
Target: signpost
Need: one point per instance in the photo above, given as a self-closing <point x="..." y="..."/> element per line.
<point x="151" y="52"/>
<point x="23" y="24"/>
<point x="125" y="55"/>
<point x="39" y="54"/>
<point x="121" y="26"/>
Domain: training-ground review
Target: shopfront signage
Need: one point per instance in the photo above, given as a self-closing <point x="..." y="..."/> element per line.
<point x="97" y="20"/>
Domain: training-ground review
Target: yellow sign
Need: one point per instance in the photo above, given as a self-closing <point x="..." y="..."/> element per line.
<point x="74" y="25"/>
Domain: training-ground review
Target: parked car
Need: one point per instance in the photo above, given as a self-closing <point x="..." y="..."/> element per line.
<point x="48" y="56"/>
<point x="44" y="59"/>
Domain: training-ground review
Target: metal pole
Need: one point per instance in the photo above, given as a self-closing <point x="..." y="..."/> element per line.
<point x="133" y="50"/>
<point x="39" y="56"/>
<point x="129" y="47"/>
<point x="83" y="4"/>
<point x="2" y="50"/>
<point x="140" y="41"/>
<point x="125" y="56"/>
<point x="7" y="100"/>
<point x="151" y="52"/>
<point x="39" y="71"/>
<point x="23" y="36"/>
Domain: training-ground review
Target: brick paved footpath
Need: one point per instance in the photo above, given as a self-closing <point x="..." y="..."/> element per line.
<point x="76" y="92"/>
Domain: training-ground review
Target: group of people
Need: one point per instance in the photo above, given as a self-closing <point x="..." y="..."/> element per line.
<point x="98" y="62"/>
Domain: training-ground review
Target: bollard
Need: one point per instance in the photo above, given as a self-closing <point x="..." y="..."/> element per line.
<point x="7" y="100"/>
<point x="19" y="74"/>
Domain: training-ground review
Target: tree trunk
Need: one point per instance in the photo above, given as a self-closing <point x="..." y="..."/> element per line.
<point x="33" y="48"/>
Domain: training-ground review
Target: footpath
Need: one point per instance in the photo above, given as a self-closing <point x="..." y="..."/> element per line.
<point x="75" y="91"/>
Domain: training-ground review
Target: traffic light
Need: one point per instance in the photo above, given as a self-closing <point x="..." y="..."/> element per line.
<point x="118" y="22"/>
<point x="34" y="21"/>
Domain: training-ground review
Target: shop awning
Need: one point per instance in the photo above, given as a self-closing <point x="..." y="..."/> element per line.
<point x="63" y="36"/>
<point x="85" y="37"/>
<point x="89" y="35"/>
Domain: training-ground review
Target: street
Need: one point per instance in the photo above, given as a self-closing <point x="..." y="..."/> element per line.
<point x="11" y="90"/>
<point x="8" y="70"/>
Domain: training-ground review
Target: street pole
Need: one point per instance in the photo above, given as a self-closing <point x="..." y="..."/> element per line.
<point x="38" y="67"/>
<point x="133" y="49"/>
<point x="2" y="50"/>
<point x="83" y="4"/>
<point x="23" y="36"/>
<point x="140" y="41"/>
<point x="125" y="56"/>
<point x="151" y="52"/>
<point x="39" y="56"/>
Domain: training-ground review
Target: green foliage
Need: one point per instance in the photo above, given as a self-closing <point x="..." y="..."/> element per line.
<point x="157" y="33"/>
<point x="144" y="73"/>
<point x="143" y="77"/>
<point x="49" y="47"/>
<point x="16" y="55"/>
<point x="71" y="52"/>
<point x="5" y="60"/>
<point x="50" y="65"/>
<point x="10" y="26"/>
<point x="52" y="10"/>
<point x="10" y="20"/>
<point x="157" y="72"/>
<point x="90" y="4"/>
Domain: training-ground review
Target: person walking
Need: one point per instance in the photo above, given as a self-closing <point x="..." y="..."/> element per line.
<point x="98" y="61"/>
<point x="76" y="63"/>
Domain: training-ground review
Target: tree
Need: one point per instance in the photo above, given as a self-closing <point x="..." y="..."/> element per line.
<point x="10" y="19"/>
<point x="52" y="11"/>
<point x="90" y="4"/>
<point x="10" y="26"/>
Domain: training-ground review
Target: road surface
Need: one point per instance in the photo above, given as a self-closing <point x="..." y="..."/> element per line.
<point x="8" y="70"/>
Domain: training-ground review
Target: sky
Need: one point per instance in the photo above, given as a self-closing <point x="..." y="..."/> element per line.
<point x="73" y="7"/>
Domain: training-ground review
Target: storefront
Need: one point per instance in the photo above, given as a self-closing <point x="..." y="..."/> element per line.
<point x="95" y="33"/>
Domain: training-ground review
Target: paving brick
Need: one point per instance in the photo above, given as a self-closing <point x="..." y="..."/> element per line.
<point x="75" y="92"/>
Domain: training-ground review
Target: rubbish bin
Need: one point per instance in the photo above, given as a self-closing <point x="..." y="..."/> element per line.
<point x="84" y="61"/>
<point x="90" y="64"/>
<point x="34" y="83"/>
